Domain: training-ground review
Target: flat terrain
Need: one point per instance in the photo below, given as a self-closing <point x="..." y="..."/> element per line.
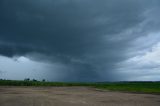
<point x="72" y="96"/>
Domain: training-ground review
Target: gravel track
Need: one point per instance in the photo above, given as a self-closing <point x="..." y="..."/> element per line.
<point x="72" y="96"/>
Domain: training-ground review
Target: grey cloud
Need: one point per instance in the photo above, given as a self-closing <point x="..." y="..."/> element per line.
<point x="72" y="32"/>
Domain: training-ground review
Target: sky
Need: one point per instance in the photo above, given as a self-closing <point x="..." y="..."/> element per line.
<point x="80" y="40"/>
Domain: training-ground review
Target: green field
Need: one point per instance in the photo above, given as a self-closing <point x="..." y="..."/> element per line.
<point x="138" y="87"/>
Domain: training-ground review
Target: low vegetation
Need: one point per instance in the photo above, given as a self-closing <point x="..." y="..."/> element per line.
<point x="138" y="87"/>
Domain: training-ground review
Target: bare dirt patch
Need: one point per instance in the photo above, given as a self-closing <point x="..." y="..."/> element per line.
<point x="72" y="96"/>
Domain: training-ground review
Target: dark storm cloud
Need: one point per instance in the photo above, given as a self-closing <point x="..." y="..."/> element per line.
<point x="83" y="35"/>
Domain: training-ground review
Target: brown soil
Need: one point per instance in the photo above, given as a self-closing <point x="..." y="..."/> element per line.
<point x="72" y="96"/>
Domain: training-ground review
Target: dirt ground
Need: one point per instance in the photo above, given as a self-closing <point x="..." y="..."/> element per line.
<point x="72" y="96"/>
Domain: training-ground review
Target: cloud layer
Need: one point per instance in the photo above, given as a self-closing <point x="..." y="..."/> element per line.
<point x="92" y="39"/>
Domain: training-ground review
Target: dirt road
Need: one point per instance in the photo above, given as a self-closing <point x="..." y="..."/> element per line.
<point x="72" y="96"/>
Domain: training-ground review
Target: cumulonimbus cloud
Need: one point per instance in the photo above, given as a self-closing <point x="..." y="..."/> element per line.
<point x="88" y="37"/>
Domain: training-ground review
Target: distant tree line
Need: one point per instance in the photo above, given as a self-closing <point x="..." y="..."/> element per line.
<point x="34" y="80"/>
<point x="28" y="79"/>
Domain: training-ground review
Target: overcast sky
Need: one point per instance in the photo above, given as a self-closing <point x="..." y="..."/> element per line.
<point x="80" y="40"/>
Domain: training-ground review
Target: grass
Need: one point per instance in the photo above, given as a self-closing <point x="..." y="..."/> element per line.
<point x="138" y="87"/>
